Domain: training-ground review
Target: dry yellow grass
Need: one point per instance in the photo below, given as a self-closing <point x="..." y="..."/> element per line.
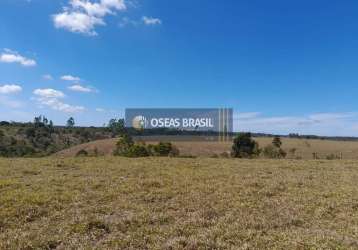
<point x="163" y="203"/>
<point x="304" y="148"/>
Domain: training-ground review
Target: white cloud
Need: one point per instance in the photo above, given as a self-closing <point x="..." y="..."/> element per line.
<point x="9" y="56"/>
<point x="100" y="110"/>
<point x="47" y="77"/>
<point x="331" y="124"/>
<point x="125" y="21"/>
<point x="151" y="20"/>
<point x="77" y="22"/>
<point x="117" y="4"/>
<point x="98" y="9"/>
<point x="70" y="78"/>
<point x="80" y="88"/>
<point x="60" y="106"/>
<point x="82" y="16"/>
<point x="49" y="93"/>
<point x="52" y="98"/>
<point x="10" y="89"/>
<point x="92" y="9"/>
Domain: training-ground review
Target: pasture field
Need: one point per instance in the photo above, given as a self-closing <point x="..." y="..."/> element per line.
<point x="304" y="147"/>
<point x="178" y="203"/>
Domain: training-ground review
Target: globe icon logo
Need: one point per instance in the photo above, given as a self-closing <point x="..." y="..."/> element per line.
<point x="139" y="122"/>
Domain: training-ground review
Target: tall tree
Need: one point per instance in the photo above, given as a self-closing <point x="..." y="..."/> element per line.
<point x="71" y="122"/>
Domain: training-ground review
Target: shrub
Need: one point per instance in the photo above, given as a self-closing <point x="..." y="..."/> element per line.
<point x="244" y="146"/>
<point x="333" y="157"/>
<point x="274" y="151"/>
<point x="124" y="143"/>
<point x="315" y="156"/>
<point x="163" y="149"/>
<point x="270" y="151"/>
<point x="137" y="150"/>
<point x="126" y="147"/>
<point x="277" y="142"/>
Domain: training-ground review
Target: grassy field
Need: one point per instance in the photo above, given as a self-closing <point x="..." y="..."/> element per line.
<point x="304" y="147"/>
<point x="161" y="203"/>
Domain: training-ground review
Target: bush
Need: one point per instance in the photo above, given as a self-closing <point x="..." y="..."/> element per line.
<point x="163" y="149"/>
<point x="123" y="146"/>
<point x="137" y="150"/>
<point x="333" y="157"/>
<point x="273" y="152"/>
<point x="244" y="146"/>
<point x="126" y="147"/>
<point x="277" y="142"/>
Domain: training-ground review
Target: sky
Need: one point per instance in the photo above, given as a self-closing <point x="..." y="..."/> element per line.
<point x="283" y="66"/>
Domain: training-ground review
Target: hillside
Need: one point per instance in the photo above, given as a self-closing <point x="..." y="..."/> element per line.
<point x="42" y="137"/>
<point x="304" y="147"/>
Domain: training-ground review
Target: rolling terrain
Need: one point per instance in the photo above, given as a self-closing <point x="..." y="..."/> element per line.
<point x="304" y="147"/>
<point x="172" y="203"/>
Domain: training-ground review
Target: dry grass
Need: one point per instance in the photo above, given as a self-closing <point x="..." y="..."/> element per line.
<point x="304" y="148"/>
<point x="161" y="203"/>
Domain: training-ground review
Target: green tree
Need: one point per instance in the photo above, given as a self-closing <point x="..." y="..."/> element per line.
<point x="71" y="122"/>
<point x="244" y="146"/>
<point x="274" y="151"/>
<point x="117" y="127"/>
<point x="277" y="142"/>
<point x="123" y="145"/>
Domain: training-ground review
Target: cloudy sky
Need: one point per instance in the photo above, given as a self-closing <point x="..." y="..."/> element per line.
<point x="284" y="66"/>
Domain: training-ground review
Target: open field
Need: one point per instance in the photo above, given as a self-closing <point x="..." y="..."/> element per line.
<point x="177" y="203"/>
<point x="305" y="147"/>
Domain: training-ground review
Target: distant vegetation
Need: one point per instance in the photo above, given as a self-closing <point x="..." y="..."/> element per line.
<point x="245" y="147"/>
<point x="127" y="148"/>
<point x="42" y="138"/>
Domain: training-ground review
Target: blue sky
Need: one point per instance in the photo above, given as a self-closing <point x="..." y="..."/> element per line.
<point x="284" y="66"/>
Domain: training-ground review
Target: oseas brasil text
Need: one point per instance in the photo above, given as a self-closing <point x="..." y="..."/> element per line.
<point x="181" y="123"/>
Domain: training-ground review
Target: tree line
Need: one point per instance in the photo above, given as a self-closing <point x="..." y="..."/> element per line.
<point x="41" y="138"/>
